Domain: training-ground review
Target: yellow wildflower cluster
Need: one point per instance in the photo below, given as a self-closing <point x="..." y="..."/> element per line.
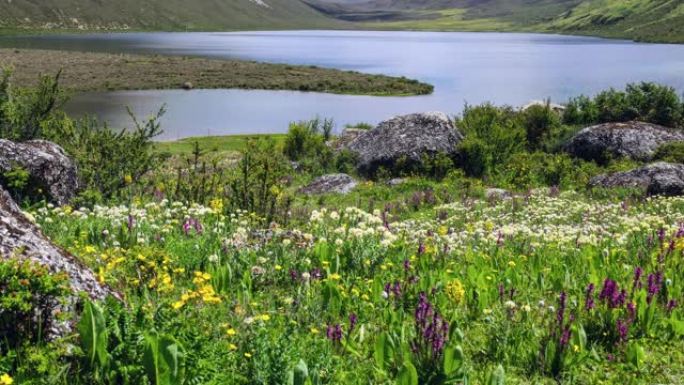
<point x="5" y="379"/>
<point x="455" y="291"/>
<point x="204" y="291"/>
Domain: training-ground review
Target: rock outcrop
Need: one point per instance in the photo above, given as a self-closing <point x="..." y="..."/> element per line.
<point x="332" y="183"/>
<point x="657" y="179"/>
<point x="405" y="138"/>
<point x="47" y="164"/>
<point x="635" y="140"/>
<point x="22" y="239"/>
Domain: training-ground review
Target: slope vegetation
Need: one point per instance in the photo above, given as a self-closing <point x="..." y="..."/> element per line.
<point x="160" y="14"/>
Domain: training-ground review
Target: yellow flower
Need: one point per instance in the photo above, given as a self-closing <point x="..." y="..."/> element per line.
<point x="265" y="317"/>
<point x="5" y="379"/>
<point x="314" y="331"/>
<point x="178" y="305"/>
<point x="232" y="347"/>
<point x="511" y="263"/>
<point x="575" y="348"/>
<point x="248" y="355"/>
<point x="335" y="277"/>
<point x="216" y="205"/>
<point x="278" y="267"/>
<point x="128" y="179"/>
<point x="455" y="291"/>
<point x="231" y="332"/>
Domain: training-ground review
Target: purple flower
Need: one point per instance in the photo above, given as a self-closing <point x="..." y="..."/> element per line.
<point x="294" y="275"/>
<point x="654" y="283"/>
<point x="131" y="222"/>
<point x="334" y="333"/>
<point x="671" y="305"/>
<point x="560" y="314"/>
<point x="589" y="298"/>
<point x="636" y="284"/>
<point x="421" y="248"/>
<point x="623" y="330"/>
<point x="353" y="320"/>
<point x="316" y="273"/>
<point x="631" y="309"/>
<point x="432" y="330"/>
<point x="407" y="265"/>
<point x="502" y="291"/>
<point x="565" y="336"/>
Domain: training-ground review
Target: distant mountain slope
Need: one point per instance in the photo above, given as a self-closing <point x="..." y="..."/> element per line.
<point x="161" y="14"/>
<point x="653" y="20"/>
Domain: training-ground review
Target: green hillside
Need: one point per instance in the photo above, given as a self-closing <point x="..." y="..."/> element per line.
<point x="650" y="20"/>
<point x="161" y="14"/>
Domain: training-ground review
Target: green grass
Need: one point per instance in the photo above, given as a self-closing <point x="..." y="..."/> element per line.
<point x="212" y="144"/>
<point x="85" y="71"/>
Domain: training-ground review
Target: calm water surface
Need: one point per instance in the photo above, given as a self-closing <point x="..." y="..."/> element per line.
<point x="503" y="68"/>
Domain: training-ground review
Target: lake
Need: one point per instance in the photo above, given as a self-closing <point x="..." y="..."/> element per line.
<point x="503" y="68"/>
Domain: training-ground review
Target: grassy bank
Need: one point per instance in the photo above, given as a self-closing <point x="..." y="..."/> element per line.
<point x="213" y="144"/>
<point x="106" y="72"/>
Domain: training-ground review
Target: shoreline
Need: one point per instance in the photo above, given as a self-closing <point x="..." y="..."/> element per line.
<point x="366" y="26"/>
<point x="99" y="72"/>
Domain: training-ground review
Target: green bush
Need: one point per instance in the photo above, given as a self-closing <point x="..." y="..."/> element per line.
<point x="648" y="102"/>
<point x="29" y="294"/>
<point x="528" y="170"/>
<point x="541" y="123"/>
<point x="670" y="152"/>
<point x="107" y="160"/>
<point x="492" y="135"/>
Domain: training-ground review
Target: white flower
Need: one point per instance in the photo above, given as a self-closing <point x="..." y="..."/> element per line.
<point x="509" y="305"/>
<point x="213" y="258"/>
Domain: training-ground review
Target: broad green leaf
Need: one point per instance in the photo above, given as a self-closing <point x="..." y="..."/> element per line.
<point x="93" y="332"/>
<point x="498" y="376"/>
<point x="407" y="375"/>
<point x="453" y="359"/>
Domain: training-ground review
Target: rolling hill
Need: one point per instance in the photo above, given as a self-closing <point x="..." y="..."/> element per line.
<point x="650" y="20"/>
<point x="161" y="14"/>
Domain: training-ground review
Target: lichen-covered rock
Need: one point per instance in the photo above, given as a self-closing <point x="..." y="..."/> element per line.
<point x="497" y="194"/>
<point x="22" y="239"/>
<point x="332" y="183"/>
<point x="47" y="165"/>
<point x="635" y="140"/>
<point x="657" y="179"/>
<point x="347" y="136"/>
<point x="407" y="138"/>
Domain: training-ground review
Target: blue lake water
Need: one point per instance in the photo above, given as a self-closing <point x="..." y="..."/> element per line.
<point x="503" y="68"/>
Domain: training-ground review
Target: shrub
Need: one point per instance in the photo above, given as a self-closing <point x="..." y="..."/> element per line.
<point x="24" y="113"/>
<point x="649" y="102"/>
<point x="493" y="134"/>
<point x="541" y="122"/>
<point x="538" y="169"/>
<point x="670" y="152"/>
<point x="29" y="294"/>
<point x="107" y="160"/>
<point x="256" y="185"/>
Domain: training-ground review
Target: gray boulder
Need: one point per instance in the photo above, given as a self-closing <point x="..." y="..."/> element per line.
<point x="47" y="165"/>
<point x="21" y="239"/>
<point x="635" y="140"/>
<point x="657" y="179"/>
<point x="406" y="138"/>
<point x="332" y="183"/>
